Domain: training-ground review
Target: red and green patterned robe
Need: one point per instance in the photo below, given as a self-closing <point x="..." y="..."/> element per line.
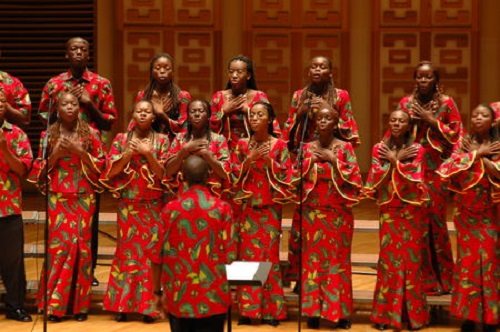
<point x="437" y="257"/>
<point x="11" y="188"/>
<point x="99" y="89"/>
<point x="71" y="204"/>
<point x="476" y="282"/>
<point x="178" y="125"/>
<point x="329" y="192"/>
<point x="15" y="93"/>
<point x="235" y="126"/>
<point x="140" y="193"/>
<point x="349" y="131"/>
<point x="400" y="191"/>
<point x="199" y="240"/>
<point x="262" y="189"/>
<point x="218" y="147"/>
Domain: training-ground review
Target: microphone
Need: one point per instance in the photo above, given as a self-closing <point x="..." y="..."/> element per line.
<point x="312" y="110"/>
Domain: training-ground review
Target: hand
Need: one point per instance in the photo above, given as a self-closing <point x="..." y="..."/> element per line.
<point x="259" y="152"/>
<point x="70" y="144"/>
<point x="467" y="144"/>
<point x="328" y="155"/>
<point x="235" y="104"/>
<point x="423" y="113"/>
<point x="196" y="146"/>
<point x="162" y="105"/>
<point x="387" y="154"/>
<point x="406" y="153"/>
<point x="140" y="146"/>
<point x="488" y="149"/>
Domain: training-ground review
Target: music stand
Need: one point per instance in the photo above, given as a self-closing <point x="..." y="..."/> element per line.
<point x="241" y="273"/>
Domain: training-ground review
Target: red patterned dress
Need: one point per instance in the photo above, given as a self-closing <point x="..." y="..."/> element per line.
<point x="400" y="192"/>
<point x="349" y="131"/>
<point x="476" y="282"/>
<point x="218" y="147"/>
<point x="199" y="241"/>
<point x="235" y="126"/>
<point x="140" y="193"/>
<point x="330" y="191"/>
<point x="438" y="145"/>
<point x="15" y="93"/>
<point x="176" y="125"/>
<point x="98" y="87"/>
<point x="71" y="204"/>
<point x="262" y="190"/>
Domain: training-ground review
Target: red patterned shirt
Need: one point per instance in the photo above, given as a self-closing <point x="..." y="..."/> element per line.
<point x="10" y="182"/>
<point x="98" y="87"/>
<point x="16" y="94"/>
<point x="199" y="241"/>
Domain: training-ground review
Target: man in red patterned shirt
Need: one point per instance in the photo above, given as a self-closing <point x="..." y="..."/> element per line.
<point x="97" y="106"/>
<point x="199" y="240"/>
<point x="18" y="103"/>
<point x="15" y="160"/>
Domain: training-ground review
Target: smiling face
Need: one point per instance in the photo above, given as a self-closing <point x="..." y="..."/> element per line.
<point x="425" y="79"/>
<point x="144" y="114"/>
<point x="68" y="108"/>
<point x="481" y="120"/>
<point x="238" y="74"/>
<point x="326" y="120"/>
<point x="197" y="114"/>
<point x="162" y="70"/>
<point x="399" y="123"/>
<point x="320" y="70"/>
<point x="259" y="118"/>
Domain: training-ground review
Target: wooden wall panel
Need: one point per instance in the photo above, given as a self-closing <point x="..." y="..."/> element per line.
<point x="281" y="36"/>
<point x="188" y="30"/>
<point x="409" y="31"/>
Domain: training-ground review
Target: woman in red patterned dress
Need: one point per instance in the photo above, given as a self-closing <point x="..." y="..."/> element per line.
<point x="230" y="106"/>
<point x="473" y="173"/>
<point x="319" y="93"/>
<point x="262" y="170"/>
<point x="396" y="180"/>
<point x="133" y="174"/>
<point x="169" y="100"/>
<point x="331" y="182"/>
<point x="200" y="140"/>
<point x="75" y="158"/>
<point x="438" y="128"/>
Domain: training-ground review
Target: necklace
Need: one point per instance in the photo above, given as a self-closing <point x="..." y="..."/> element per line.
<point x="253" y="144"/>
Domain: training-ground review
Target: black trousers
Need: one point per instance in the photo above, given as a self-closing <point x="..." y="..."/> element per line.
<point x="12" y="261"/>
<point x="207" y="324"/>
<point x="94" y="244"/>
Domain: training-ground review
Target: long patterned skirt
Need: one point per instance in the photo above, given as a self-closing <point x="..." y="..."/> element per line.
<point x="326" y="261"/>
<point x="399" y="289"/>
<point x="260" y="229"/>
<point x="437" y="256"/>
<point x="70" y="259"/>
<point x="130" y="287"/>
<point x="476" y="282"/>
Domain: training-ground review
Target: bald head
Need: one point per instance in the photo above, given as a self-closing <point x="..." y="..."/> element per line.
<point x="195" y="170"/>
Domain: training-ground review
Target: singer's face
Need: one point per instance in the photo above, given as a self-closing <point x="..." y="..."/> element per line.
<point x="399" y="123"/>
<point x="425" y="80"/>
<point x="238" y="74"/>
<point x="197" y="115"/>
<point x="259" y="118"/>
<point x="143" y="115"/>
<point x="319" y="70"/>
<point x="3" y="105"/>
<point x="326" y="120"/>
<point x="77" y="51"/>
<point x="68" y="108"/>
<point x="481" y="120"/>
<point x="163" y="70"/>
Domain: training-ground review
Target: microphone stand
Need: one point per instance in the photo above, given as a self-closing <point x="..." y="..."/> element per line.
<point x="300" y="159"/>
